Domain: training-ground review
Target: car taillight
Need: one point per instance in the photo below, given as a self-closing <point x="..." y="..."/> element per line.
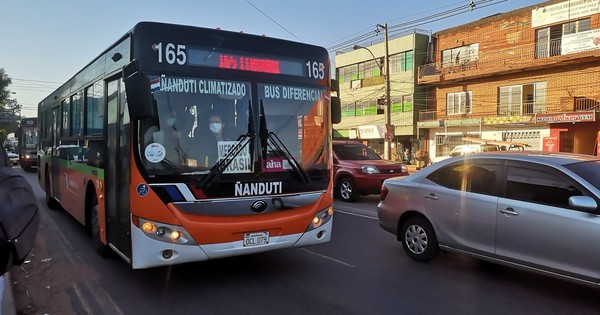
<point x="384" y="192"/>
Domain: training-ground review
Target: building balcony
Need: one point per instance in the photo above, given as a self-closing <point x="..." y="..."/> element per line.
<point x="505" y="61"/>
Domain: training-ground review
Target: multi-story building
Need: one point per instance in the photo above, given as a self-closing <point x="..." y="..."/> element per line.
<point x="362" y="79"/>
<point x="529" y="76"/>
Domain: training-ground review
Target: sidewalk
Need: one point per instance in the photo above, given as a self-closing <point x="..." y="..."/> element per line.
<point x="8" y="304"/>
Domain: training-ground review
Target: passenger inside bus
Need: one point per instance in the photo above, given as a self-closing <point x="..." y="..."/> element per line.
<point x="210" y="137"/>
<point x="175" y="137"/>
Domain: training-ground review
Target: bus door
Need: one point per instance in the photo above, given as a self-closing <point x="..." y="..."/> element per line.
<point x="54" y="164"/>
<point x="117" y="168"/>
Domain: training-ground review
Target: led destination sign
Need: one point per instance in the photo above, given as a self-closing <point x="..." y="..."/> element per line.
<point x="183" y="55"/>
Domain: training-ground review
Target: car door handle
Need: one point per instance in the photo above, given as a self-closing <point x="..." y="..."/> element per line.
<point x="509" y="211"/>
<point x="431" y="196"/>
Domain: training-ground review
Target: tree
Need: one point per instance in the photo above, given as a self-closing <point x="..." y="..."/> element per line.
<point x="5" y="81"/>
<point x="9" y="107"/>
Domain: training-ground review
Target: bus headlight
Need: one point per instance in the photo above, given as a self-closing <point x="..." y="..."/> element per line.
<point x="166" y="232"/>
<point x="321" y="218"/>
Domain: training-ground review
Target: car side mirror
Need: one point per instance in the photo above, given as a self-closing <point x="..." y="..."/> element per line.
<point x="583" y="203"/>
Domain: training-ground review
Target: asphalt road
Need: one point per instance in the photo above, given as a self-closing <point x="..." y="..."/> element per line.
<point x="363" y="270"/>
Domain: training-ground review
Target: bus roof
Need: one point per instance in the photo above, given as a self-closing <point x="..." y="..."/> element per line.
<point x="121" y="53"/>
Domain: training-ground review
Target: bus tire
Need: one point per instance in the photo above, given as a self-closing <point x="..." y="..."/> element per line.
<point x="94" y="229"/>
<point x="50" y="201"/>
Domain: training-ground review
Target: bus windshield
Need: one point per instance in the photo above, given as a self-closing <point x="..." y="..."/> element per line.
<point x="200" y="120"/>
<point x="30" y="137"/>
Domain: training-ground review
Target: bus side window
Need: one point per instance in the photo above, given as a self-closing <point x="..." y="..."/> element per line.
<point x="95" y="153"/>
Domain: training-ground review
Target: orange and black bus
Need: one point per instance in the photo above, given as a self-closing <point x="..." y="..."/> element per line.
<point x="27" y="143"/>
<point x="181" y="144"/>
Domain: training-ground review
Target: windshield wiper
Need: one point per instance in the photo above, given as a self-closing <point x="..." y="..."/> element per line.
<point x="277" y="146"/>
<point x="222" y="164"/>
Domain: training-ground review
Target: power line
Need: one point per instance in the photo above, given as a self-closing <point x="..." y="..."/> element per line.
<point x="394" y="29"/>
<point x="259" y="10"/>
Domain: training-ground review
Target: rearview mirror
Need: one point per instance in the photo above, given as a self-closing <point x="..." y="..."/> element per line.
<point x="336" y="110"/>
<point x="139" y="94"/>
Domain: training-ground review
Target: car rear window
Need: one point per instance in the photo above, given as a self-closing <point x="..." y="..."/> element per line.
<point x="350" y="151"/>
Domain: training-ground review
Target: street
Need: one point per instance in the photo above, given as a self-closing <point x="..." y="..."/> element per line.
<point x="363" y="270"/>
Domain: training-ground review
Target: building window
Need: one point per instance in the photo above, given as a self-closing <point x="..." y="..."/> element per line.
<point x="548" y="40"/>
<point x="459" y="103"/>
<point x="401" y="62"/>
<point x="524" y="99"/>
<point x="460" y="56"/>
<point x="359" y="71"/>
<point x="407" y="103"/>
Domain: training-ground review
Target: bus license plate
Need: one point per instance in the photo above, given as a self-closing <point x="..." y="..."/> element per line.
<point x="255" y="239"/>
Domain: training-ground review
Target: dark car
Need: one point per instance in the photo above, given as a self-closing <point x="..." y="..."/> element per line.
<point x="361" y="171"/>
<point x="533" y="210"/>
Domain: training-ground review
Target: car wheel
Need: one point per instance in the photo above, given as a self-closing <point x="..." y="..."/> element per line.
<point x="347" y="190"/>
<point x="418" y="239"/>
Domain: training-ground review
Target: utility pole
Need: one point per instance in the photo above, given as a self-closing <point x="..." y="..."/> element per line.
<point x="389" y="129"/>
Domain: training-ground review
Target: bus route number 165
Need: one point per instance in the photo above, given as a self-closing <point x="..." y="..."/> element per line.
<point x="256" y="238"/>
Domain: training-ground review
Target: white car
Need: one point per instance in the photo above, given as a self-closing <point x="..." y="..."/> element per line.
<point x="13" y="157"/>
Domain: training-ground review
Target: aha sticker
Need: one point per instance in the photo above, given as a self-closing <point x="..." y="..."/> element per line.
<point x="155" y="152"/>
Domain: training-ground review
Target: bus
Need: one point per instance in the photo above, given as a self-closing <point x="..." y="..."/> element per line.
<point x="27" y="143"/>
<point x="180" y="144"/>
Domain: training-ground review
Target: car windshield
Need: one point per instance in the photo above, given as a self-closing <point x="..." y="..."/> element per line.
<point x="588" y="171"/>
<point x="351" y="151"/>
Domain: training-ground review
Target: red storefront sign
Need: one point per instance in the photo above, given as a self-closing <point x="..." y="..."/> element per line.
<point x="572" y="117"/>
<point x="550" y="144"/>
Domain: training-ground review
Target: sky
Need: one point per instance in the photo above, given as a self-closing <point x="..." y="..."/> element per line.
<point x="43" y="43"/>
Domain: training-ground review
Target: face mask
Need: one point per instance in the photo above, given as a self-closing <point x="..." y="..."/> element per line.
<point x="215" y="127"/>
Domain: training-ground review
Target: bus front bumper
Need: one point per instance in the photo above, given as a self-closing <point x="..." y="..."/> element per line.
<point x="147" y="252"/>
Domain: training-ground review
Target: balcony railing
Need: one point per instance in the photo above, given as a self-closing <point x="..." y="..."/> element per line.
<point x="427" y="115"/>
<point x="513" y="59"/>
<point x="584" y="103"/>
<point x="527" y="108"/>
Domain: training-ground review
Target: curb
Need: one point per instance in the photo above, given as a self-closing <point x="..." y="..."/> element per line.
<point x="8" y="302"/>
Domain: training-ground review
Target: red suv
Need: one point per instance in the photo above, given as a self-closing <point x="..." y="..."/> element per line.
<point x="358" y="170"/>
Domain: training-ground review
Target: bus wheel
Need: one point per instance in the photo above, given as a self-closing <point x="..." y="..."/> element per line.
<point x="50" y="201"/>
<point x="94" y="230"/>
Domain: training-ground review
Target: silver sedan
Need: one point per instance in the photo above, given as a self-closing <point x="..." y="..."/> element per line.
<point x="533" y="210"/>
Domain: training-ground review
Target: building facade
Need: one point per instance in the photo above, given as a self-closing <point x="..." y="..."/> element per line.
<point x="362" y="80"/>
<point x="529" y="76"/>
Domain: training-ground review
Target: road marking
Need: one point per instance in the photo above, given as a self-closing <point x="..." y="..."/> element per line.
<point x="329" y="258"/>
<point x="357" y="214"/>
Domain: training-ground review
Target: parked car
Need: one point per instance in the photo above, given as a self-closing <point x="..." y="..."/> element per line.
<point x="13" y="157"/>
<point x="468" y="149"/>
<point x="360" y="171"/>
<point x="533" y="210"/>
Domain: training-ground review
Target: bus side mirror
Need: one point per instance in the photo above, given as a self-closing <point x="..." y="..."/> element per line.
<point x="336" y="110"/>
<point x="139" y="94"/>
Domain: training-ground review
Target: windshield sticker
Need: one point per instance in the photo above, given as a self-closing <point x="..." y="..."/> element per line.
<point x="292" y="93"/>
<point x="240" y="163"/>
<point x="256" y="189"/>
<point x="155" y="152"/>
<point x="199" y="86"/>
<point x="142" y="190"/>
<point x="276" y="164"/>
